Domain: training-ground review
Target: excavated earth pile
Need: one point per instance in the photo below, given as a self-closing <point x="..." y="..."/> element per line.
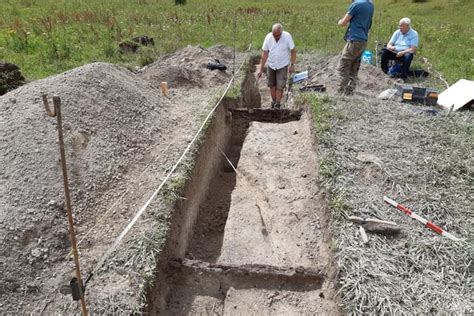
<point x="323" y="70"/>
<point x="98" y="101"/>
<point x="185" y="67"/>
<point x="121" y="137"/>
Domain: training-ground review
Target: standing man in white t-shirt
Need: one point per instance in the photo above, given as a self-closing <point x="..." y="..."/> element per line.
<point x="279" y="50"/>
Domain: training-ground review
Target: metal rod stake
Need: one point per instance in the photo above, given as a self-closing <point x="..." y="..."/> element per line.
<point x="72" y="236"/>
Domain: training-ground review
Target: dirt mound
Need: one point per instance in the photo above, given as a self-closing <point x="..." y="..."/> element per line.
<point x="371" y="80"/>
<point x="187" y="68"/>
<point x="107" y="112"/>
<point x="121" y="138"/>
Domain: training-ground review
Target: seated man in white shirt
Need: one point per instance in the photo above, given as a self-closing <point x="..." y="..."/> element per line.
<point x="402" y="47"/>
<point x="279" y="49"/>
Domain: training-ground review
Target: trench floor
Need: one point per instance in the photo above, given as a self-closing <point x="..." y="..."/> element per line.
<point x="258" y="245"/>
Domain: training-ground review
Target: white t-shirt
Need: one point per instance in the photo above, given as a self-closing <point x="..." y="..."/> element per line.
<point x="279" y="52"/>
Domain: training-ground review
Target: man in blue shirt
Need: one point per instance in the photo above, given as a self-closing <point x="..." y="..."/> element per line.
<point x="359" y="17"/>
<point x="401" y="47"/>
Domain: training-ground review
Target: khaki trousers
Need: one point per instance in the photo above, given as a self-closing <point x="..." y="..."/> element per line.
<point x="349" y="66"/>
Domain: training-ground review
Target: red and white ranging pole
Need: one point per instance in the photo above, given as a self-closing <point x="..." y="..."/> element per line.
<point x="427" y="223"/>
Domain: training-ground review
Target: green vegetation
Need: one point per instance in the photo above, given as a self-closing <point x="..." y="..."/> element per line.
<point x="45" y="37"/>
<point x="323" y="116"/>
<point x="321" y="113"/>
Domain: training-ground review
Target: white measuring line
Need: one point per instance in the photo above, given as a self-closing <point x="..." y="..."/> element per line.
<point x="152" y="197"/>
<point x="228" y="160"/>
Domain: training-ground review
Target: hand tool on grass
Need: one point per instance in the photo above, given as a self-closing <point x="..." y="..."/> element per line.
<point x="427" y="223"/>
<point x="376" y="226"/>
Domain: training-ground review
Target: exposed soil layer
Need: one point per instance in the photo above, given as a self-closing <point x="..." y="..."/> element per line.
<point x="323" y="70"/>
<point x="257" y="238"/>
<point x="208" y="234"/>
<point x="258" y="242"/>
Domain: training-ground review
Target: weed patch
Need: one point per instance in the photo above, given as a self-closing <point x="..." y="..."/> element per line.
<point x="75" y="33"/>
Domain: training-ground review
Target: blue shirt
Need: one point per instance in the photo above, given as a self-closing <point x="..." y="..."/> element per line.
<point x="361" y="12"/>
<point x="404" y="41"/>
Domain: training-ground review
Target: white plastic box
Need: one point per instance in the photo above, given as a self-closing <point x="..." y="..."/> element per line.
<point x="300" y="76"/>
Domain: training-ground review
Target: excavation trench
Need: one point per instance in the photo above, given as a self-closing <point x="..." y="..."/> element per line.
<point x="250" y="235"/>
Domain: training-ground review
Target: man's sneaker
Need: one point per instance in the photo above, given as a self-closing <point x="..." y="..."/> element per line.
<point x="273" y="104"/>
<point x="277" y="105"/>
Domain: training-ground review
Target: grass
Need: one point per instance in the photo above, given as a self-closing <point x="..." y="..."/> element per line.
<point x="320" y="111"/>
<point x="323" y="117"/>
<point x="418" y="272"/>
<point x="46" y="37"/>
